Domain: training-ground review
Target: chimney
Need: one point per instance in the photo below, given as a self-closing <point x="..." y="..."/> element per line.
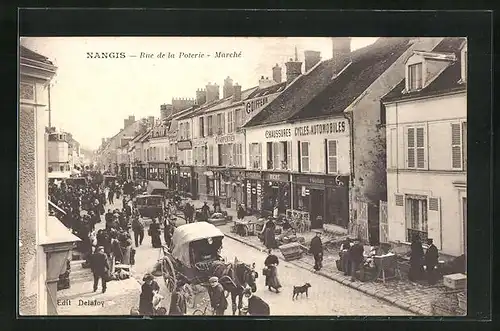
<point x="237" y="93"/>
<point x="277" y="73"/>
<point x="201" y="96"/>
<point x="212" y="92"/>
<point x="311" y="58"/>
<point x="341" y="52"/>
<point x="265" y="82"/>
<point x="131" y="119"/>
<point x="151" y="121"/>
<point x="228" y="88"/>
<point x="293" y="68"/>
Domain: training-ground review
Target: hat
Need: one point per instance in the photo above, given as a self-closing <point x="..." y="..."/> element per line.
<point x="147" y="277"/>
<point x="213" y="279"/>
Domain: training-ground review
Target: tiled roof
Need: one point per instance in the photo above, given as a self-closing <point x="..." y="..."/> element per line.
<point x="28" y="53"/>
<point x="447" y="80"/>
<point x="365" y="68"/>
<point x="268" y="90"/>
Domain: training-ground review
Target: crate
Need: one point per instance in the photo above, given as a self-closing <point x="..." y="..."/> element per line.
<point x="455" y="281"/>
<point x="291" y="251"/>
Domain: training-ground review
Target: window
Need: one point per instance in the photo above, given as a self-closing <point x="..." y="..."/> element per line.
<point x="332" y="156"/>
<point x="230" y="154"/>
<point x="188" y="130"/>
<point x="458" y="145"/>
<point x="304" y="156"/>
<point x="201" y="126"/>
<point x="220" y="123"/>
<point x="210" y="125"/>
<point x="255" y="155"/>
<point x="238" y="118"/>
<point x="415" y="76"/>
<point x="230" y="122"/>
<point x="393" y="148"/>
<point x="181" y="131"/>
<point x="238" y="154"/>
<point x="416" y="217"/>
<point x="415" y="144"/>
<point x="211" y="155"/>
<point x="278" y="155"/>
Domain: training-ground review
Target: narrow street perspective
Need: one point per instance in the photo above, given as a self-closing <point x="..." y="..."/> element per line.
<point x="324" y="177"/>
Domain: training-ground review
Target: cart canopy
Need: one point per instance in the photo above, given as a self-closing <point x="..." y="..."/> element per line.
<point x="188" y="233"/>
<point x="156" y="187"/>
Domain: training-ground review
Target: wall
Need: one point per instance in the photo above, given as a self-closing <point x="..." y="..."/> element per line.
<point x="58" y="151"/>
<point x="369" y="135"/>
<point x="438" y="179"/>
<point x="291" y="132"/>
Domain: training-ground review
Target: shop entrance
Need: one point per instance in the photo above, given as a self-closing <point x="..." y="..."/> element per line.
<point x="317" y="198"/>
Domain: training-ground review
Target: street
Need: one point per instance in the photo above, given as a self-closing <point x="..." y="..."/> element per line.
<point x="326" y="297"/>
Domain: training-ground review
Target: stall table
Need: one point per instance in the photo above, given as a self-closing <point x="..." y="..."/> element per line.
<point x="248" y="228"/>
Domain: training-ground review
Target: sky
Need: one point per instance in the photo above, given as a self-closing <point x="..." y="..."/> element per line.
<point x="90" y="97"/>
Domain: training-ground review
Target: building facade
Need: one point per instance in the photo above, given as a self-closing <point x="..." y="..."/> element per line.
<point x="426" y="120"/>
<point x="44" y="243"/>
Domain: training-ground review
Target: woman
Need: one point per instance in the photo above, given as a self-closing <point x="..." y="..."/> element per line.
<point x="154" y="232"/>
<point x="241" y="212"/>
<point x="416" y="260"/>
<point x="148" y="291"/>
<point x="269" y="235"/>
<point x="178" y="302"/>
<point x="272" y="281"/>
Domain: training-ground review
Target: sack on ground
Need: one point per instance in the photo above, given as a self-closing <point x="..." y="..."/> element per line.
<point x="157" y="269"/>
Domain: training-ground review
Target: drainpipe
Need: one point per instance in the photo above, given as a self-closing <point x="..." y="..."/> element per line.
<point x="349" y="117"/>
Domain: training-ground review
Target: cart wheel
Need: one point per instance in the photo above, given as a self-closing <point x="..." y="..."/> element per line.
<point x="169" y="276"/>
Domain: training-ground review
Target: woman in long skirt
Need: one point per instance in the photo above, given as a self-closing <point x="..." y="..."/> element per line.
<point x="272" y="281"/>
<point x="154" y="232"/>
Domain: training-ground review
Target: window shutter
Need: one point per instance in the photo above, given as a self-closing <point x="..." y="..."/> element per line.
<point x="410" y="143"/>
<point x="223" y="123"/>
<point x="420" y="148"/>
<point x="434" y="220"/>
<point x="456" y="146"/>
<point x="299" y="157"/>
<point x="327" y="155"/>
<point x="399" y="198"/>
<point x="464" y="145"/>
<point x="259" y="156"/>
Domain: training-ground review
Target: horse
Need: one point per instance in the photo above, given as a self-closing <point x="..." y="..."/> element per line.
<point x="234" y="278"/>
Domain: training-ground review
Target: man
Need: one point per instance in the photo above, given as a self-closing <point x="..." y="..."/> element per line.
<point x="316" y="250"/>
<point x="431" y="261"/>
<point x="205" y="210"/>
<point x="356" y="258"/>
<point x="100" y="267"/>
<point x="217" y="298"/>
<point x="108" y="217"/>
<point x="256" y="306"/>
<point x="111" y="195"/>
<point x="138" y="229"/>
<point x="189" y="212"/>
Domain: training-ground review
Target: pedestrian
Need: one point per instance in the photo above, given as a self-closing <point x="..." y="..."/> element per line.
<point x="316" y="249"/>
<point x="216" y="206"/>
<point x="241" y="213"/>
<point x="217" y="298"/>
<point x="345" y="263"/>
<point x="256" y="306"/>
<point x="356" y="258"/>
<point x="270" y="234"/>
<point x="205" y="211"/>
<point x="108" y="217"/>
<point x="110" y="196"/>
<point x="431" y="261"/>
<point x="100" y="268"/>
<point x="168" y="231"/>
<point x="178" y="302"/>
<point x="138" y="229"/>
<point x="271" y="272"/>
<point x="416" y="260"/>
<point x="148" y="290"/>
<point x="154" y="233"/>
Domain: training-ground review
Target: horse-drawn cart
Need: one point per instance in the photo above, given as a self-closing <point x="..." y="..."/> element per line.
<point x="195" y="256"/>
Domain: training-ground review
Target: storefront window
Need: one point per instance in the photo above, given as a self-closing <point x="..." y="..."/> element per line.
<point x="301" y="200"/>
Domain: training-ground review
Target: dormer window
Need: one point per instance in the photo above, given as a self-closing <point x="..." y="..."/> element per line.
<point x="415" y="77"/>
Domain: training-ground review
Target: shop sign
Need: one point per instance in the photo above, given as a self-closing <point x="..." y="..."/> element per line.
<point x="253" y="175"/>
<point x="252" y="105"/>
<point x="330" y="181"/>
<point x="184" y="145"/>
<point x="276" y="177"/>
<point x="326" y="128"/>
<point x="225" y="139"/>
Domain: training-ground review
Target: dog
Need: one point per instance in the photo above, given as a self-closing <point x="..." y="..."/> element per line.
<point x="301" y="290"/>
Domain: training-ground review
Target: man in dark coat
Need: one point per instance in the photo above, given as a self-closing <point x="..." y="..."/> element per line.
<point x="356" y="258"/>
<point x="416" y="260"/>
<point x="256" y="306"/>
<point x="431" y="261"/>
<point x="138" y="229"/>
<point x="99" y="266"/>
<point x="205" y="210"/>
<point x="241" y="212"/>
<point x="316" y="250"/>
<point x="111" y="195"/>
<point x="109" y="216"/>
<point x="218" y="300"/>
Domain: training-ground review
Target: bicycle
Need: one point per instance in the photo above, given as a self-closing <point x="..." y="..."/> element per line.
<point x="204" y="311"/>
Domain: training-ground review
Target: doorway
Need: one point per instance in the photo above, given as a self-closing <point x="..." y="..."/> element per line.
<point x="317" y="206"/>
